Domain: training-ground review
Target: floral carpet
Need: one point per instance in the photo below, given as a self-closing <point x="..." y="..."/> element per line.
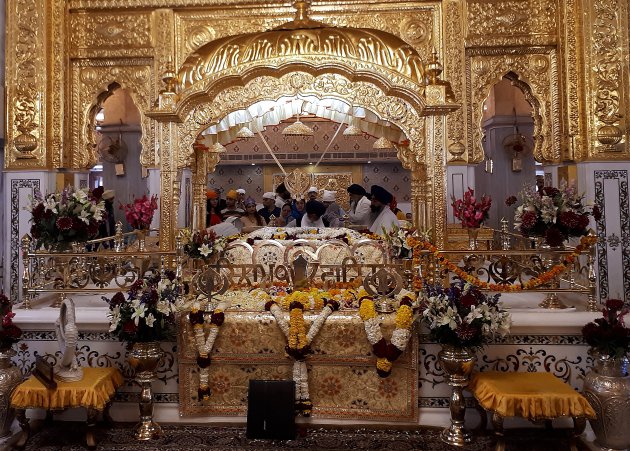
<point x="64" y="436"/>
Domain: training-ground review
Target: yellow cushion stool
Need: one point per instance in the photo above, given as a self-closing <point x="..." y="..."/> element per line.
<point x="533" y="396"/>
<point x="94" y="393"/>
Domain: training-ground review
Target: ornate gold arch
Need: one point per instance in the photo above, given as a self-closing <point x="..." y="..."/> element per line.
<point x="370" y="68"/>
<point x="362" y="93"/>
<point x="535" y="72"/>
<point x="91" y="78"/>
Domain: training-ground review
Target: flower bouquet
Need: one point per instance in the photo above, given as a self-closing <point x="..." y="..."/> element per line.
<point x="553" y="214"/>
<point x="609" y="335"/>
<point x="202" y="244"/>
<point x="147" y="313"/>
<point x="462" y="316"/>
<point x="397" y="240"/>
<point x="139" y="213"/>
<point x="471" y="211"/>
<point x="9" y="332"/>
<point x="71" y="215"/>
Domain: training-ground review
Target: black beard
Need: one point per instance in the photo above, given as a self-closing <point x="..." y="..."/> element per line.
<point x="376" y="208"/>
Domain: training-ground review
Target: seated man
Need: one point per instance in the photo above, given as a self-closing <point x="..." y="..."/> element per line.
<point x="312" y="193"/>
<point x="269" y="207"/>
<point x="231" y="209"/>
<point x="334" y="213"/>
<point x="313" y="216"/>
<point x="382" y="217"/>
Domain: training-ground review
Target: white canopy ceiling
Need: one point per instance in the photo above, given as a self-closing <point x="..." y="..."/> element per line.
<point x="266" y="113"/>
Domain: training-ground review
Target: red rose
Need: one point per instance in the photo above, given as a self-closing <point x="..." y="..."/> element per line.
<point x="614" y="304"/>
<point x="129" y="327"/>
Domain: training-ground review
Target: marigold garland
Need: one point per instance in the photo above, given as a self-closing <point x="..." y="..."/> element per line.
<point x="386" y="353"/>
<point x="543" y="279"/>
<point x="298" y="344"/>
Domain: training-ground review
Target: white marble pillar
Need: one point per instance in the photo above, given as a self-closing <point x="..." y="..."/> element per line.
<point x="17" y="187"/>
<point x="458" y="179"/>
<point x="606" y="185"/>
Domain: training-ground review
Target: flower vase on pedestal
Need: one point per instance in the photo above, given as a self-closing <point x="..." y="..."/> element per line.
<point x="607" y="388"/>
<point x="141" y="235"/>
<point x="550" y="257"/>
<point x="473" y="234"/>
<point x="458" y="364"/>
<point x="10" y="377"/>
<point x="145" y="358"/>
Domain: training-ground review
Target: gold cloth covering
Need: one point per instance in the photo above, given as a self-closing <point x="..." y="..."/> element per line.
<point x="528" y="395"/>
<point x="342" y="369"/>
<point x="93" y="391"/>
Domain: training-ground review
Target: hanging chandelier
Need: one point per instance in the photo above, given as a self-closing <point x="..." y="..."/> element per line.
<point x="245" y="133"/>
<point x="217" y="148"/>
<point x="298" y="129"/>
<point x="382" y="143"/>
<point x="352" y="130"/>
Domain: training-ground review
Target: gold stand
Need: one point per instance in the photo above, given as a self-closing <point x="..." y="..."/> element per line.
<point x="145" y="358"/>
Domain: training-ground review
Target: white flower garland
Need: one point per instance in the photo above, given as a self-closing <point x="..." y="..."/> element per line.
<point x="204" y="344"/>
<point x="308" y="233"/>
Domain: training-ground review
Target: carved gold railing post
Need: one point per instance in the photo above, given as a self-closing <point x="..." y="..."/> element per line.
<point x="505" y="235"/>
<point x="26" y="272"/>
<point x="119" y="241"/>
<point x="592" y="282"/>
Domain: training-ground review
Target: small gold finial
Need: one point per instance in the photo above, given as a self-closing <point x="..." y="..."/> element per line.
<point x="301" y="10"/>
<point x="434" y="68"/>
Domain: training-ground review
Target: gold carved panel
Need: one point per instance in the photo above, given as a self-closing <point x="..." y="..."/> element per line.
<point x="536" y="70"/>
<point x="454" y="57"/>
<point x="511" y="22"/>
<point x="609" y="100"/>
<point x="26" y="83"/>
<point x="106" y="34"/>
<point x="91" y="77"/>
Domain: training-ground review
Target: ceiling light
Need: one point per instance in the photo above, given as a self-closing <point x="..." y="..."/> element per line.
<point x="100" y="116"/>
<point x="217" y="148"/>
<point x="369" y="162"/>
<point x="298" y="129"/>
<point x="382" y="143"/>
<point x="253" y="164"/>
<point x="245" y="133"/>
<point x="352" y="130"/>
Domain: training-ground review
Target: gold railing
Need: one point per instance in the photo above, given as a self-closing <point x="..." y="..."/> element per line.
<point x="513" y="263"/>
<point x="97" y="266"/>
<point x="114" y="263"/>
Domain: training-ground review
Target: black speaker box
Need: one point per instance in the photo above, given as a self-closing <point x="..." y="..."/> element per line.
<point x="271" y="410"/>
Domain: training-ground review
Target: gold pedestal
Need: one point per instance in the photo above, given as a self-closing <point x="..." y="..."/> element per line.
<point x="145" y="358"/>
<point x="458" y="364"/>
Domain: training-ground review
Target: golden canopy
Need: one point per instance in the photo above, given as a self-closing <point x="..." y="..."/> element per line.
<point x="305" y="39"/>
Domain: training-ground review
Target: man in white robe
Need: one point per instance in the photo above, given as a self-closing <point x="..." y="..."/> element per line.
<point x="359" y="213"/>
<point x="313" y="216"/>
<point x="384" y="218"/>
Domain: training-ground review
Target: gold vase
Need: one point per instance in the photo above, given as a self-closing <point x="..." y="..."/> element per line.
<point x="458" y="364"/>
<point x="144" y="358"/>
<point x="10" y="377"/>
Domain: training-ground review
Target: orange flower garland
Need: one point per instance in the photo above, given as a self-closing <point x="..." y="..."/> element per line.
<point x="544" y="278"/>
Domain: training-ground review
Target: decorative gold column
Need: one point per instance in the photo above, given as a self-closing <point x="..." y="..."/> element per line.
<point x="26" y="70"/>
<point x="167" y="140"/>
<point x="199" y="186"/>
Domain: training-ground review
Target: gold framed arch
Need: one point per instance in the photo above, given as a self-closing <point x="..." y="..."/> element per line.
<point x="535" y="72"/>
<point x="366" y="67"/>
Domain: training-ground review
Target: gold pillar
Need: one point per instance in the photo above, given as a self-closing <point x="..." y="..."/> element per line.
<point x="169" y="199"/>
<point x="199" y="186"/>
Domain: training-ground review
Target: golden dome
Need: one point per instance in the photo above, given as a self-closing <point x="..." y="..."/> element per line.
<point x="308" y="40"/>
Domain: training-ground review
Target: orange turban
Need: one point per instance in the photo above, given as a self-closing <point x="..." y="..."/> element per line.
<point x="231" y="194"/>
<point x="211" y="194"/>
